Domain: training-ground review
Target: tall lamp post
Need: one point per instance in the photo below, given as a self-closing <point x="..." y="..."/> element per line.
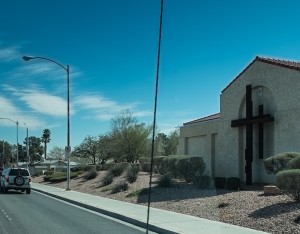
<point x="17" y="124"/>
<point x="27" y="146"/>
<point x="68" y="147"/>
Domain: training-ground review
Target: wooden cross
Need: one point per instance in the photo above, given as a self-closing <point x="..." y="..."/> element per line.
<point x="249" y="121"/>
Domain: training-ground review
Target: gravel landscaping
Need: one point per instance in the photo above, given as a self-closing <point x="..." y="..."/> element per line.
<point x="248" y="207"/>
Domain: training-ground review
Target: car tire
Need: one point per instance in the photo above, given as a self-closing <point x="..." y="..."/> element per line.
<point x="5" y="190"/>
<point x="28" y="191"/>
<point x="19" y="181"/>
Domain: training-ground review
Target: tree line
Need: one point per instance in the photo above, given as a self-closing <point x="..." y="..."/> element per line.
<point x="127" y="141"/>
<point x="8" y="152"/>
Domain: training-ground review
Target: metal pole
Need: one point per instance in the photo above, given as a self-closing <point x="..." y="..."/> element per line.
<point x="17" y="143"/>
<point x="27" y="147"/>
<point x="68" y="147"/>
<point x="68" y="127"/>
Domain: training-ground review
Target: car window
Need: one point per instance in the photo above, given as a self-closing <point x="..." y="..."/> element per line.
<point x="16" y="172"/>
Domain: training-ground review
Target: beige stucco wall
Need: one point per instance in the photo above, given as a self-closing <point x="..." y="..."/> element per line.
<point x="199" y="139"/>
<point x="278" y="89"/>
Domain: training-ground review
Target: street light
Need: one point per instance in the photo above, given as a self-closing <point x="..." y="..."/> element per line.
<point x="27" y="146"/>
<point x="17" y="123"/>
<point x="68" y="147"/>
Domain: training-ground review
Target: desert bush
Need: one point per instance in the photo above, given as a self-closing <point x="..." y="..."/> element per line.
<point x="139" y="192"/>
<point x="132" y="173"/>
<point x="158" y="166"/>
<point x="170" y="165"/>
<point x="107" y="179"/>
<point x="294" y="163"/>
<point x="202" y="181"/>
<point x="75" y="169"/>
<point x="90" y="174"/>
<point x="118" y="169"/>
<point x="120" y="187"/>
<point x="289" y="182"/>
<point x="220" y="182"/>
<point x="165" y="180"/>
<point x="99" y="167"/>
<point x="233" y="183"/>
<point x="189" y="166"/>
<point x="89" y="167"/>
<point x="279" y="162"/>
<point x="39" y="173"/>
<point x="61" y="176"/>
<point x="146" y="167"/>
<point x="145" y="163"/>
<point x="47" y="173"/>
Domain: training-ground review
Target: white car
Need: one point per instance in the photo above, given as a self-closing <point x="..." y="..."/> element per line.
<point x="17" y="179"/>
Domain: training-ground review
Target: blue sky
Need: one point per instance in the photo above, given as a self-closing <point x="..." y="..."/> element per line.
<point x="111" y="48"/>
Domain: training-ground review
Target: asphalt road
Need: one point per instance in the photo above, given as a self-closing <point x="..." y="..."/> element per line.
<point x="37" y="213"/>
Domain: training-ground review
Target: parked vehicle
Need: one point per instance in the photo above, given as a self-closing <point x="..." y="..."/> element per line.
<point x="17" y="179"/>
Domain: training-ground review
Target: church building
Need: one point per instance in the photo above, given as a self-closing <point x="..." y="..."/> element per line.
<point x="259" y="117"/>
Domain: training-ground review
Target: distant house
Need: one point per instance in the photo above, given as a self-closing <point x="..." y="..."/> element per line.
<point x="55" y="165"/>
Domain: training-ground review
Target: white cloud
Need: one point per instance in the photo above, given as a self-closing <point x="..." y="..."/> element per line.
<point x="9" y="111"/>
<point x="40" y="101"/>
<point x="45" y="103"/>
<point x="9" y="54"/>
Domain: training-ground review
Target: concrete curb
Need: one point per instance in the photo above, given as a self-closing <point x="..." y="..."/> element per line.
<point x="124" y="218"/>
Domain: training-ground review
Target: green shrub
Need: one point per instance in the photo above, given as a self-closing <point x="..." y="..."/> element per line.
<point x="75" y="169"/>
<point x="107" y="179"/>
<point x="158" y="167"/>
<point x="145" y="164"/>
<point x="294" y="163"/>
<point x="202" y="181"/>
<point x="90" y="174"/>
<point x="279" y="162"/>
<point x="39" y="173"/>
<point x="142" y="191"/>
<point x="61" y="176"/>
<point x="120" y="187"/>
<point x="47" y="173"/>
<point x="132" y="173"/>
<point x="170" y="165"/>
<point x="146" y="167"/>
<point x="89" y="167"/>
<point x="99" y="167"/>
<point x="118" y="169"/>
<point x="233" y="183"/>
<point x="144" y="160"/>
<point x="190" y="166"/>
<point x="220" y="182"/>
<point x="46" y="178"/>
<point x="165" y="180"/>
<point x="289" y="182"/>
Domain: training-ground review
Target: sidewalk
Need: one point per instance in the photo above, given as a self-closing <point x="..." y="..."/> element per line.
<point x="160" y="221"/>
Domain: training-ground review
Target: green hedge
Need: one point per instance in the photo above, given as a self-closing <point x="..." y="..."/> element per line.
<point x="233" y="183"/>
<point x="294" y="163"/>
<point x="279" y="162"/>
<point x="202" y="181"/>
<point x="220" y="182"/>
<point x="289" y="182"/>
<point x="188" y="167"/>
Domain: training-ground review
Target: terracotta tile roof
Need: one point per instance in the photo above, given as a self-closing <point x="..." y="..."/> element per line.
<point x="207" y="118"/>
<point x="277" y="62"/>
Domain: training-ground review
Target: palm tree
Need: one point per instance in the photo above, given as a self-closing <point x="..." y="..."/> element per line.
<point x="46" y="139"/>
